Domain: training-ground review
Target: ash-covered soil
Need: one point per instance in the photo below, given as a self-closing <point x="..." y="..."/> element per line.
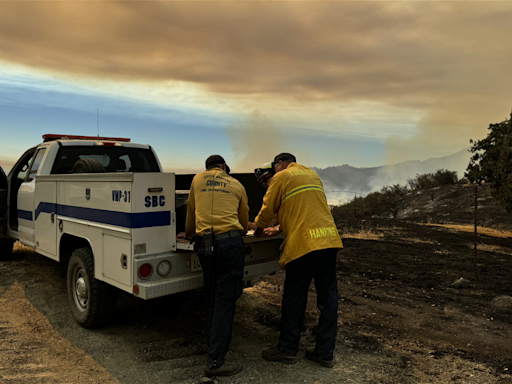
<point x="416" y="306"/>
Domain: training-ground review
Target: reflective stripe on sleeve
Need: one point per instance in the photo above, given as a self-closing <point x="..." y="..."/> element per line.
<point x="302" y="188"/>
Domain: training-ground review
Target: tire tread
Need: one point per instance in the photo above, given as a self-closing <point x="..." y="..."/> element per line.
<point x="102" y="296"/>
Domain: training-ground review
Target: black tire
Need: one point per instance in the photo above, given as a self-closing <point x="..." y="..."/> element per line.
<point x="6" y="247"/>
<point x="88" y="166"/>
<point x="93" y="302"/>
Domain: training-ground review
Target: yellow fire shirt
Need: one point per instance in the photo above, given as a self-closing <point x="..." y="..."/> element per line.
<point x="297" y="195"/>
<point x="215" y="194"/>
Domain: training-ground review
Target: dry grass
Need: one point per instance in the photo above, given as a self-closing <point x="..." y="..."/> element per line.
<point x="416" y="240"/>
<point x="492" y="248"/>
<point x="504" y="234"/>
<point x="364" y="234"/>
<point x="262" y="285"/>
<point x="34" y="352"/>
<point x="18" y="247"/>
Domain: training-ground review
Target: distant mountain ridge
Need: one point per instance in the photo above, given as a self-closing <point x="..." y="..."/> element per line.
<point x="343" y="182"/>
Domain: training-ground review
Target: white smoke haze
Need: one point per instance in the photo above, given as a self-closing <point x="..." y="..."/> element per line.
<point x="257" y="140"/>
<point x="254" y="141"/>
<point x="450" y="124"/>
<point x="343" y="183"/>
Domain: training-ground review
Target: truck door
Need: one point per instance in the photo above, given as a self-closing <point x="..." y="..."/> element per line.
<point x="3" y="202"/>
<point x="26" y="202"/>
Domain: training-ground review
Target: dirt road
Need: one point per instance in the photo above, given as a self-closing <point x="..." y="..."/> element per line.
<point x="405" y="317"/>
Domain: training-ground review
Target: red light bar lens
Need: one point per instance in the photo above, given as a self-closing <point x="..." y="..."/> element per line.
<point x="51" y="137"/>
<point x="145" y="271"/>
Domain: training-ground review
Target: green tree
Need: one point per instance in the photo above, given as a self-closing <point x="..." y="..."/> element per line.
<point x="394" y="197"/>
<point x="492" y="162"/>
<point x="445" y="177"/>
<point x="431" y="180"/>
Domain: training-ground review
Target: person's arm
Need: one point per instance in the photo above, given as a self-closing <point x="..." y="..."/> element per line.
<point x="271" y="203"/>
<point x="251" y="225"/>
<point x="243" y="211"/>
<point x="190" y="223"/>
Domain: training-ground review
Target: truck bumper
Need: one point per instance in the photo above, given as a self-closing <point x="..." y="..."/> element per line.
<point x="193" y="280"/>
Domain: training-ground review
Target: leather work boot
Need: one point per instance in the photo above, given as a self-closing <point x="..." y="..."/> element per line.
<point x="226" y="369"/>
<point x="274" y="354"/>
<point x="311" y="355"/>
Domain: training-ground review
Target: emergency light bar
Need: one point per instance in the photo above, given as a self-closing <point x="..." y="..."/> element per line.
<point x="51" y="137"/>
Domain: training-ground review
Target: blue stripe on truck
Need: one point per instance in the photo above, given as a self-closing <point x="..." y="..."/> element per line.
<point x="120" y="219"/>
<point x="25" y="215"/>
<point x="46" y="207"/>
<point x="151" y="219"/>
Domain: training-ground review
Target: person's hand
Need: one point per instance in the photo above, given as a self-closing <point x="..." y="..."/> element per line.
<point x="271" y="231"/>
<point x="181" y="235"/>
<point x="251" y="225"/>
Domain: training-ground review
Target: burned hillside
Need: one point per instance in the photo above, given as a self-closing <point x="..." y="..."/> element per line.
<point x="442" y="204"/>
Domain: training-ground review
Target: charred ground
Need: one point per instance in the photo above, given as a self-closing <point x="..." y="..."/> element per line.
<point x="417" y="305"/>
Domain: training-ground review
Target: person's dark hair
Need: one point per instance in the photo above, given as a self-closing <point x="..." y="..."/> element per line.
<point x="285" y="157"/>
<point x="216" y="161"/>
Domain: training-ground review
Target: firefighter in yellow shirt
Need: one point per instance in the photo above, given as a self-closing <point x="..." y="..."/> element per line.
<point x="217" y="214"/>
<point x="312" y="241"/>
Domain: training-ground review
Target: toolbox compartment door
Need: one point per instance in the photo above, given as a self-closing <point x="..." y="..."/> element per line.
<point x="45" y="218"/>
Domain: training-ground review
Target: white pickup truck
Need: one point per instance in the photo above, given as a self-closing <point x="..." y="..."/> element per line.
<point x="105" y="207"/>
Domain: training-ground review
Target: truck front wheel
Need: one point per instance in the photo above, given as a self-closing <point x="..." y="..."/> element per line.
<point x="92" y="301"/>
<point x="6" y="247"/>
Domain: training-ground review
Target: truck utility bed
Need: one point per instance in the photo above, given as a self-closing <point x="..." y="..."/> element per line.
<point x="129" y="216"/>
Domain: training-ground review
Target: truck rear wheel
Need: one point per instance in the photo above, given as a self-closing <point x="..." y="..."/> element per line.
<point x="92" y="301"/>
<point x="6" y="247"/>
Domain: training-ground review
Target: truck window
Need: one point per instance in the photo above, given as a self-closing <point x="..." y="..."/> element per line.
<point x="35" y="164"/>
<point x="22" y="174"/>
<point x="114" y="159"/>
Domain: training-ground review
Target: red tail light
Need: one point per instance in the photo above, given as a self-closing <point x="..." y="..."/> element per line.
<point x="145" y="271"/>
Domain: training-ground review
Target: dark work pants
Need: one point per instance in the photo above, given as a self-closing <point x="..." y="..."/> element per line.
<point x="321" y="266"/>
<point x="222" y="273"/>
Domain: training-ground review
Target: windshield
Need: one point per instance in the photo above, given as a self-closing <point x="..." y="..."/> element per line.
<point x="114" y="159"/>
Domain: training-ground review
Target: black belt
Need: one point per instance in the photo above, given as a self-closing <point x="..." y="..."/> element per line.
<point x="225" y="235"/>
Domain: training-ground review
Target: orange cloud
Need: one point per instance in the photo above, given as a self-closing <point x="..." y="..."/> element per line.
<point x="449" y="59"/>
<point x="317" y="50"/>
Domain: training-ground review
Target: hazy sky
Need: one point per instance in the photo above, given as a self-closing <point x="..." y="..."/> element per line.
<point x="364" y="83"/>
